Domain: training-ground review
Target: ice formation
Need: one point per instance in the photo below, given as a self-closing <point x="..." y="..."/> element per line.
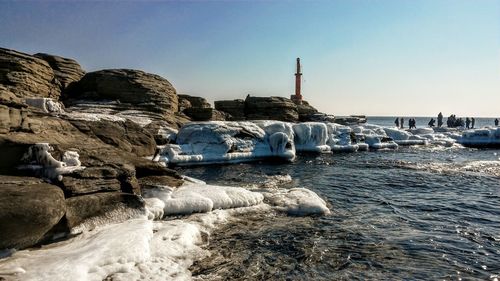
<point x="107" y="110"/>
<point x="39" y="159"/>
<point x="311" y="137"/>
<point x="341" y="140"/>
<point x="298" y="202"/>
<point x="198" y="197"/>
<point x="373" y="135"/>
<point x="484" y="137"/>
<point x="47" y="105"/>
<point x="229" y="142"/>
<point x="143" y="249"/>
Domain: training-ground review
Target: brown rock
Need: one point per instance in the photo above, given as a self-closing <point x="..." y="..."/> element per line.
<point x="271" y="108"/>
<point x="199" y="113"/>
<point x="134" y="89"/>
<point x="27" y="76"/>
<point x="66" y="70"/>
<point x="127" y="135"/>
<point x="89" y="211"/>
<point x="29" y="208"/>
<point x="235" y="108"/>
<point x="193" y="101"/>
<point x="90" y="180"/>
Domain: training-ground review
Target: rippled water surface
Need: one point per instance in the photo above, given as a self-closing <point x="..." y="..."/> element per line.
<point x="415" y="213"/>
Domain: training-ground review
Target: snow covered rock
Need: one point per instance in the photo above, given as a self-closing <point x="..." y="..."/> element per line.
<point x="311" y="137"/>
<point x="481" y="138"/>
<point x="229" y="142"/>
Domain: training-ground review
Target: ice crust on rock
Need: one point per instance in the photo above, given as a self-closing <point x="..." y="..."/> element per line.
<point x="484" y="137"/>
<point x="298" y="202"/>
<point x="198" y="197"/>
<point x="47" y="105"/>
<point x="311" y="137"/>
<point x="39" y="159"/>
<point x="143" y="249"/>
<point x="230" y="142"/>
<point x="340" y="139"/>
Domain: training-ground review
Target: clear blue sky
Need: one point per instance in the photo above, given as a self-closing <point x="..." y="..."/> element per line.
<point x="401" y="57"/>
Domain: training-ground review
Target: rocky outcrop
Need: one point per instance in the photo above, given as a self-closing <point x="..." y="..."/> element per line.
<point x="198" y="109"/>
<point x="266" y="108"/>
<point x="66" y="70"/>
<point x="27" y="76"/>
<point x="29" y="208"/>
<point x="125" y="135"/>
<point x="188" y="101"/>
<point x="132" y="89"/>
<point x="88" y="211"/>
<point x="270" y="108"/>
<point x="306" y="112"/>
<point x="234" y="108"/>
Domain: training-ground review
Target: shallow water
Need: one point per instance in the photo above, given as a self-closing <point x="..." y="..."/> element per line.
<point x="414" y="213"/>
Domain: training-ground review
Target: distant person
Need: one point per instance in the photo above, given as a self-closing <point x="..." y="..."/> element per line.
<point x="496" y="122"/>
<point x="410" y="123"/>
<point x="396" y="122"/>
<point x="431" y="123"/>
<point x="440" y="119"/>
<point x="402" y="122"/>
<point x="472" y="122"/>
<point x="467" y="123"/>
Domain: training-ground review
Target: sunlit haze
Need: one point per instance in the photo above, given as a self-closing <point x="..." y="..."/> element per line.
<point x="359" y="57"/>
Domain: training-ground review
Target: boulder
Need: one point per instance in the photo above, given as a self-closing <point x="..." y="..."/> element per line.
<point x="27" y="76"/>
<point x="66" y="70"/>
<point x="90" y="180"/>
<point x="29" y="208"/>
<point x="88" y="211"/>
<point x="193" y="101"/>
<point x="132" y="90"/>
<point x="271" y="108"/>
<point x="199" y="113"/>
<point x="306" y="112"/>
<point x="234" y="108"/>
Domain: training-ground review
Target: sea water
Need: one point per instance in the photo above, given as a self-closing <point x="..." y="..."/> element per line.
<point x="422" y="212"/>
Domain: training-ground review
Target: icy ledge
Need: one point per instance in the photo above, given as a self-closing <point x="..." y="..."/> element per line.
<point x="143" y="249"/>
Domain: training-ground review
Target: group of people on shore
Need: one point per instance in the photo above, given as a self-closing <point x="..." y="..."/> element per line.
<point x="451" y="122"/>
<point x="412" y="124"/>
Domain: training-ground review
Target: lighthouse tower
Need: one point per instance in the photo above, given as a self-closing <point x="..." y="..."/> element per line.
<point x="297" y="98"/>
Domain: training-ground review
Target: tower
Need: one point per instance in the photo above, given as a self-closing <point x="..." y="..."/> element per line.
<point x="297" y="98"/>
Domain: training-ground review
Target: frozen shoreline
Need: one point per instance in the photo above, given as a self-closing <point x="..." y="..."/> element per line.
<point x="157" y="246"/>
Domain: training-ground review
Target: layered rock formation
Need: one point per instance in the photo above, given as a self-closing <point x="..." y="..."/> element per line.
<point x="66" y="70"/>
<point x="270" y="108"/>
<point x="105" y="143"/>
<point x="198" y="109"/>
<point x="267" y="108"/>
<point x="132" y="89"/>
<point x="27" y="76"/>
<point x="234" y="108"/>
